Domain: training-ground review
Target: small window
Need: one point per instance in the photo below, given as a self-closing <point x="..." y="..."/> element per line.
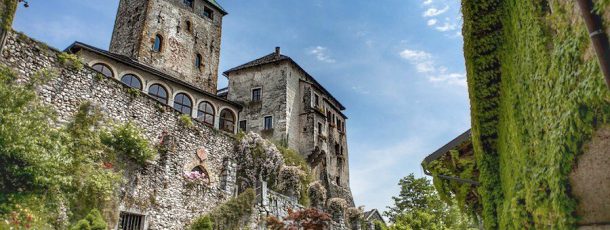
<point x="319" y="128"/>
<point x="205" y="113"/>
<point x="132" y="81"/>
<point x="189" y="26"/>
<point x="158" y="92"/>
<point x="268" y="122"/>
<point x="243" y="125"/>
<point x="198" y="59"/>
<point x="104" y="69"/>
<point x="183" y="103"/>
<point x="208" y="13"/>
<point x="227" y="120"/>
<point x="338" y="181"/>
<point x="158" y="43"/>
<point x="316" y="100"/>
<point x="130" y="221"/>
<point x="256" y="94"/>
<point x="188" y="3"/>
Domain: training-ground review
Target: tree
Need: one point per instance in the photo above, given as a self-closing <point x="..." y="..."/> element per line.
<point x="418" y="206"/>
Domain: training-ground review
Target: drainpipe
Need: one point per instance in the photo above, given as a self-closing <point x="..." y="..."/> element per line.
<point x="599" y="39"/>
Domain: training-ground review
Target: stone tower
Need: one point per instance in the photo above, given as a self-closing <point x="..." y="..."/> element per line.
<point x="179" y="37"/>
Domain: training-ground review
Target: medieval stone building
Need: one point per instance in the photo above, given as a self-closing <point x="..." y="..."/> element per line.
<point x="162" y="66"/>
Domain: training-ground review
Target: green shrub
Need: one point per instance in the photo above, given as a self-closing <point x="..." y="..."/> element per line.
<point x="70" y="60"/>
<point x="93" y="221"/>
<point x="186" y="121"/>
<point x="127" y="140"/>
<point x="203" y="223"/>
<point x="230" y="214"/>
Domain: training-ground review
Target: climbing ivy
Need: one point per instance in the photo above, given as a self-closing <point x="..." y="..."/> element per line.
<point x="536" y="97"/>
<point x="8" y="12"/>
<point x="460" y="166"/>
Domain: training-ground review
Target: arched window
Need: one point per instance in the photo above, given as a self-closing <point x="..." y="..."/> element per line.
<point x="104" y="69"/>
<point x="132" y="81"/>
<point x="183" y="103"/>
<point x="158" y="92"/>
<point x="158" y="43"/>
<point x="205" y="113"/>
<point x="227" y="120"/>
<point x="198" y="59"/>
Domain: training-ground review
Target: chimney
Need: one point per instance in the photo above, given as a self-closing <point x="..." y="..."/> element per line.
<point x="277" y="51"/>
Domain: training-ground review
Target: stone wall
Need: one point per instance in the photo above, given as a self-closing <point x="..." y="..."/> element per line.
<point x="158" y="190"/>
<point x="271" y="79"/>
<point x="181" y="44"/>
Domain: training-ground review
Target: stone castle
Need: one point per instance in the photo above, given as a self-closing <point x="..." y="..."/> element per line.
<point x="169" y="51"/>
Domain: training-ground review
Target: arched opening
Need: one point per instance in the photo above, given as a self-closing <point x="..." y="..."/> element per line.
<point x="199" y="173"/>
<point x="205" y="113"/>
<point x="104" y="69"/>
<point x="227" y="120"/>
<point x="183" y="103"/>
<point x="158" y="92"/>
<point x="132" y="81"/>
<point x="158" y="43"/>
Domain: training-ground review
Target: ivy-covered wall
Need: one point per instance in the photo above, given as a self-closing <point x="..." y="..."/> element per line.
<point x="537" y="95"/>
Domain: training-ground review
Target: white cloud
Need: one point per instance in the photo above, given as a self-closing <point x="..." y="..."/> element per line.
<point x="448" y="26"/>
<point x="415" y="55"/>
<point x="427" y="2"/>
<point x="424" y="63"/>
<point x="432" y="11"/>
<point x="432" y="22"/>
<point x="321" y="54"/>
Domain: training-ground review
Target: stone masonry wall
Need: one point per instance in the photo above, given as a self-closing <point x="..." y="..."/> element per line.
<point x="127" y="33"/>
<point x="180" y="45"/>
<point x="272" y="81"/>
<point x="158" y="190"/>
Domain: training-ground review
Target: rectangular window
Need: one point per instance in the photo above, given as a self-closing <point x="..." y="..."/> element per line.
<point x="130" y="221"/>
<point x="242" y="125"/>
<point x="208" y="13"/>
<point x="256" y="94"/>
<point x="319" y="128"/>
<point x="316" y="100"/>
<point x="339" y="125"/>
<point x="268" y="122"/>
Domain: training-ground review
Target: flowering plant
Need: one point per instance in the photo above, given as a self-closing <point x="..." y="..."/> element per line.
<point x="196" y="177"/>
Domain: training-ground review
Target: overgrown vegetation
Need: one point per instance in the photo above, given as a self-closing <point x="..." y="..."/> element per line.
<point x="93" y="221"/>
<point x="127" y="140"/>
<point x="536" y="97"/>
<point x="45" y="168"/>
<point x="460" y="165"/>
<point x="229" y="215"/>
<point x="8" y="12"/>
<point x="70" y="60"/>
<point x="293" y="158"/>
<point x="186" y="121"/>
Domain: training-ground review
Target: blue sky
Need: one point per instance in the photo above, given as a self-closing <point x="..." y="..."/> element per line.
<point x="397" y="65"/>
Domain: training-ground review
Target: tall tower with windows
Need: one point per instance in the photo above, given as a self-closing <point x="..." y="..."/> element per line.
<point x="179" y="37"/>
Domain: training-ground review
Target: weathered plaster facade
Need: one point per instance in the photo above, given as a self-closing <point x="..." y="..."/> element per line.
<point x="185" y="30"/>
<point x="305" y="116"/>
